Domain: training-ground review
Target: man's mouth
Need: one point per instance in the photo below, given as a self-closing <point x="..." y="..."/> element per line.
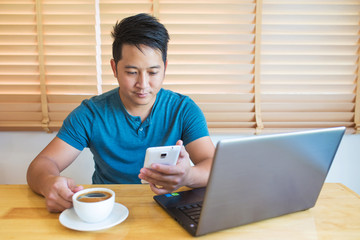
<point x="142" y="95"/>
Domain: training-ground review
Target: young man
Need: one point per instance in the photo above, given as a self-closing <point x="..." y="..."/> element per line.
<point x="118" y="126"/>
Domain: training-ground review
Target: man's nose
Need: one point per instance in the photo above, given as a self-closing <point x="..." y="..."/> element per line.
<point x="143" y="80"/>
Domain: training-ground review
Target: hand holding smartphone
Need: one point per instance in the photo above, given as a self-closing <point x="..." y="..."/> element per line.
<point x="167" y="155"/>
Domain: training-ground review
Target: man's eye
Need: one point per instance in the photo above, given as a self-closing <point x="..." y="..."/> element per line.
<point x="153" y="73"/>
<point x="131" y="73"/>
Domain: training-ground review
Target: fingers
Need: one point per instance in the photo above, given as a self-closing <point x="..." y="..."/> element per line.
<point x="58" y="201"/>
<point x="73" y="187"/>
<point x="159" y="190"/>
<point x="162" y="173"/>
<point x="165" y="169"/>
<point x="60" y="194"/>
<point x="77" y="188"/>
<point x="168" y="180"/>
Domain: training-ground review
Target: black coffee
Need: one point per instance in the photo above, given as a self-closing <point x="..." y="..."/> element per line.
<point x="95" y="196"/>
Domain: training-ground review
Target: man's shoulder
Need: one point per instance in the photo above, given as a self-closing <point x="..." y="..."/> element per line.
<point x="168" y="95"/>
<point x="102" y="99"/>
<point x="96" y="105"/>
<point x="105" y="96"/>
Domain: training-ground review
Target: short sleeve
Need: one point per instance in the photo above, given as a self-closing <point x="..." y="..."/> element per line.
<point x="76" y="128"/>
<point x="194" y="122"/>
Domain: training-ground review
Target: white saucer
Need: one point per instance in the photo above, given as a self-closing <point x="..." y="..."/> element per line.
<point x="69" y="219"/>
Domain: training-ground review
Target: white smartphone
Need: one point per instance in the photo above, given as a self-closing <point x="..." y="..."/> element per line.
<point x="167" y="155"/>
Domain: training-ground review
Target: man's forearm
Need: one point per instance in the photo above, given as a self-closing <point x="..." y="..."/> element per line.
<point x="39" y="172"/>
<point x="199" y="174"/>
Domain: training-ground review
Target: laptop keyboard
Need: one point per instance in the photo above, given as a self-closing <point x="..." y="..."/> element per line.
<point x="192" y="211"/>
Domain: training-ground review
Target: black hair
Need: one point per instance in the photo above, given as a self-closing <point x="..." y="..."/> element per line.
<point x="141" y="29"/>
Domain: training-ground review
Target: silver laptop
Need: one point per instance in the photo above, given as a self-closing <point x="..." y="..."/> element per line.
<point x="256" y="178"/>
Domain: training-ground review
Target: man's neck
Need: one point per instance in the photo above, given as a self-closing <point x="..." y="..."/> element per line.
<point x="142" y="111"/>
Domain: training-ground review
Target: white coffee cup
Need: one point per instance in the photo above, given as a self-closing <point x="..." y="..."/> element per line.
<point x="97" y="211"/>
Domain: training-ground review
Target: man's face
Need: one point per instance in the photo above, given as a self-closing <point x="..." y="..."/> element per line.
<point x="140" y="75"/>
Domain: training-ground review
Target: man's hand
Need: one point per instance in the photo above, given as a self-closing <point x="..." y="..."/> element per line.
<point x="164" y="178"/>
<point x="59" y="193"/>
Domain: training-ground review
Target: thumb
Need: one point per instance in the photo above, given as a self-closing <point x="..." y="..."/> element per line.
<point x="179" y="142"/>
<point x="182" y="151"/>
<point x="77" y="188"/>
<point x="72" y="186"/>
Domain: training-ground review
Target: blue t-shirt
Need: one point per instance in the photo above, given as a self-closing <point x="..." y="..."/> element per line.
<point x="119" y="140"/>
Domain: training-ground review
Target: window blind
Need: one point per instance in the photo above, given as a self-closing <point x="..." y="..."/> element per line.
<point x="211" y="58"/>
<point x="47" y="57"/>
<point x="251" y="66"/>
<point x="20" y="97"/>
<point x="309" y="63"/>
<point x="69" y="44"/>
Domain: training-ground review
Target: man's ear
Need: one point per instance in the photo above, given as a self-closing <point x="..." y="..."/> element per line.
<point x="113" y="67"/>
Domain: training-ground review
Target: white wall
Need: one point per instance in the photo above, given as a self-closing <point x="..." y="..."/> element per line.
<point x="17" y="149"/>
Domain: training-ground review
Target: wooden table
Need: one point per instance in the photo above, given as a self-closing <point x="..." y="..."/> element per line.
<point x="23" y="216"/>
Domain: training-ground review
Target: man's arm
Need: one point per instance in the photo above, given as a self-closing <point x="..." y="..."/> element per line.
<point x="44" y="178"/>
<point x="201" y="152"/>
<point x="165" y="179"/>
